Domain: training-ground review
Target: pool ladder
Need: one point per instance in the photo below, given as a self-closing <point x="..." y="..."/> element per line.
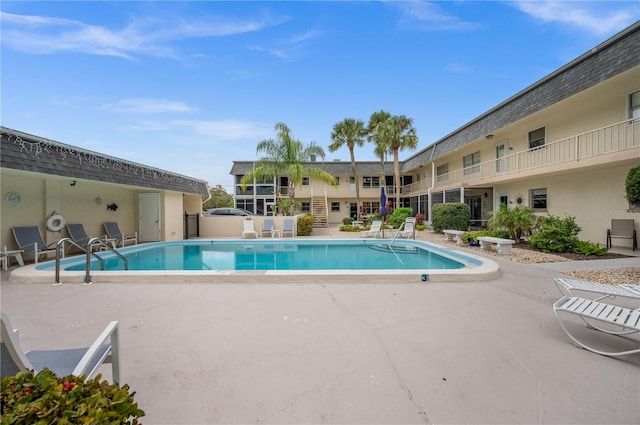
<point x="89" y="252"/>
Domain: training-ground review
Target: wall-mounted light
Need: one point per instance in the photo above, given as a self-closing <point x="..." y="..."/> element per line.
<point x="488" y="136"/>
<point x="73" y="183"/>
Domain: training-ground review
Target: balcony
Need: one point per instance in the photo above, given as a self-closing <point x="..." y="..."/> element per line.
<point x="613" y="139"/>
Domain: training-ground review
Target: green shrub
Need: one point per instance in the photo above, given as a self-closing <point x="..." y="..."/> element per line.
<point x="46" y="398"/>
<point x="476" y="233"/>
<point x="305" y="225"/>
<point x="347" y="221"/>
<point x="349" y="228"/>
<point x="398" y="216"/>
<point x="588" y="248"/>
<point x="556" y="234"/>
<point x="632" y="186"/>
<point x="516" y="221"/>
<point x="454" y="216"/>
<point x="421" y="227"/>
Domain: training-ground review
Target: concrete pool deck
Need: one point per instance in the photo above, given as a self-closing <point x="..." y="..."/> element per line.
<point x="401" y="353"/>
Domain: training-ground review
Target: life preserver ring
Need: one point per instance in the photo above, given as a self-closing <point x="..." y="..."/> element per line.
<point x="55" y="223"/>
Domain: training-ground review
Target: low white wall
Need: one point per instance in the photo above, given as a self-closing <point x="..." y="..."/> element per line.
<point x="231" y="227"/>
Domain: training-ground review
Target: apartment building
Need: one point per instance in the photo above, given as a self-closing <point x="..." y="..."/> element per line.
<point x="562" y="146"/>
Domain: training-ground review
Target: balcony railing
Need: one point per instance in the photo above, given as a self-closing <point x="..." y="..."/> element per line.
<point x="606" y="140"/>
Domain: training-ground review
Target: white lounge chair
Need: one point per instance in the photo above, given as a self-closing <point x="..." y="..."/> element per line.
<point x="248" y="228"/>
<point x="30" y="240"/>
<point x="567" y="286"/>
<point x="374" y="230"/>
<point x="65" y="362"/>
<point x="267" y="227"/>
<point x="114" y="233"/>
<point x="624" y="320"/>
<point x="287" y="227"/>
<point x="407" y="230"/>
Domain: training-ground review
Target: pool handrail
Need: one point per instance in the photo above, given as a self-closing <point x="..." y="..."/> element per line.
<point x="87" y="249"/>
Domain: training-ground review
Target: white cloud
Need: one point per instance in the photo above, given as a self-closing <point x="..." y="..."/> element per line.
<point x="148" y="36"/>
<point x="212" y="130"/>
<point x="148" y="106"/>
<point x="457" y="68"/>
<point x="429" y="16"/>
<point x="584" y="15"/>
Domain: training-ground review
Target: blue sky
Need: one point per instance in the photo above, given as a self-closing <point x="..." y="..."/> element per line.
<point x="191" y="86"/>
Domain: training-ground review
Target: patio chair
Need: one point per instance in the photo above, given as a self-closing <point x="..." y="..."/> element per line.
<point x="113" y="232"/>
<point x="596" y="314"/>
<point x="63" y="362"/>
<point x="287" y="227"/>
<point x="374" y="230"/>
<point x="567" y="286"/>
<point x="407" y="230"/>
<point x="622" y="229"/>
<point x="30" y="240"/>
<point x="267" y="227"/>
<point x="79" y="235"/>
<point x="248" y="228"/>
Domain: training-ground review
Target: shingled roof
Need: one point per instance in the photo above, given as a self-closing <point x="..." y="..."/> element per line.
<point x="334" y="168"/>
<point x="26" y="152"/>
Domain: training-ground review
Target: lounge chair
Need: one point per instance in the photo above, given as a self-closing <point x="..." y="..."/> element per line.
<point x="30" y="240"/>
<point x="567" y="286"/>
<point x="79" y="235"/>
<point x="248" y="228"/>
<point x="64" y="362"/>
<point x="113" y="232"/>
<point x="374" y="230"/>
<point x="287" y="227"/>
<point x="595" y="313"/>
<point x="407" y="230"/>
<point x="267" y="227"/>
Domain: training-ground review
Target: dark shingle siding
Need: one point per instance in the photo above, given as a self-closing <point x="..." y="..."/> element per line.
<point x="26" y="152"/>
<point x="615" y="56"/>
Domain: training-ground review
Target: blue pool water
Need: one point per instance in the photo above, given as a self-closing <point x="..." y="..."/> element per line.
<point x="277" y="255"/>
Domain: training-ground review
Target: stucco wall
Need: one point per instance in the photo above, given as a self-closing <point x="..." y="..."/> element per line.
<point x="85" y="202"/>
<point x="593" y="198"/>
<point x="231" y="227"/>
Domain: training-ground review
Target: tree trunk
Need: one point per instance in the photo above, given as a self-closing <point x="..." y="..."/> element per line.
<point x="396" y="171"/>
<point x="355" y="180"/>
<point x="292" y="196"/>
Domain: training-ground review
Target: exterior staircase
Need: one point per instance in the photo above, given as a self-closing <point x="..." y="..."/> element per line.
<point x="319" y="211"/>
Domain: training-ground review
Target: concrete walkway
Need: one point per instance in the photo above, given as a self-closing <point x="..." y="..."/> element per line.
<point x="473" y="352"/>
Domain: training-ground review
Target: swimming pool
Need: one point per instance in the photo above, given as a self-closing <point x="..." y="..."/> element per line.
<point x="275" y="260"/>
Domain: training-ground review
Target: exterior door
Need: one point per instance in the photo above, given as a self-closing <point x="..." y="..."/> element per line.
<point x="501" y="157"/>
<point x="149" y="223"/>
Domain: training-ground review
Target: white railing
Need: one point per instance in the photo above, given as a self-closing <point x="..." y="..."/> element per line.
<point x="606" y="140"/>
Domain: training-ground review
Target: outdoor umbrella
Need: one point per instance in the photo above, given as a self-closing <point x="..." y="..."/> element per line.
<point x="383" y="207"/>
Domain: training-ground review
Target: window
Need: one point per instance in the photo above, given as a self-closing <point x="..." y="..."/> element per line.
<point x="470" y="163"/>
<point x="305" y="206"/>
<point x="370" y="181"/>
<point x="337" y="180"/>
<point x="305" y="181"/>
<point x="538" y="199"/>
<point x="352" y="180"/>
<point x="537" y="138"/>
<point x="335" y="206"/>
<point x="371" y="207"/>
<point x="634" y="105"/>
<point x="442" y="172"/>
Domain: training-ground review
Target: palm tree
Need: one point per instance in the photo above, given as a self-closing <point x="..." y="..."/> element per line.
<point x="349" y="132"/>
<point x="285" y="156"/>
<point x="396" y="133"/>
<point x="381" y="146"/>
